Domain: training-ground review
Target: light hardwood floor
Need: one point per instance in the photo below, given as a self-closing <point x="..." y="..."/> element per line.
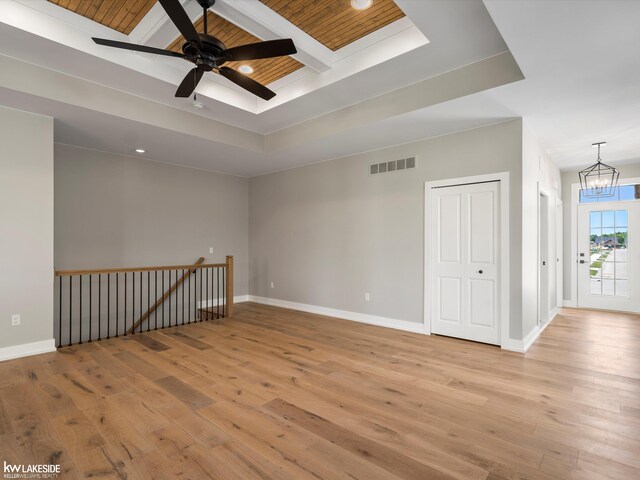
<point x="279" y="394"/>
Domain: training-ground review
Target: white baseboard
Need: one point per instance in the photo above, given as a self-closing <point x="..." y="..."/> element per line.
<point x="404" y="325"/>
<point x="523" y="345"/>
<point x="26" y="349"/>
<point x="569" y="303"/>
<point x="212" y="302"/>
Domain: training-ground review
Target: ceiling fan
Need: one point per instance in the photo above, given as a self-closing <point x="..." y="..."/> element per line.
<point x="209" y="53"/>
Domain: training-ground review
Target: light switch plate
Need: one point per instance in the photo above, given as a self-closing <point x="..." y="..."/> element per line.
<point x="15" y="320"/>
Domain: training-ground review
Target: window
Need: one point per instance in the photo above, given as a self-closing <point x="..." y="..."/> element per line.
<point x="609" y="241"/>
<point x="622" y="192"/>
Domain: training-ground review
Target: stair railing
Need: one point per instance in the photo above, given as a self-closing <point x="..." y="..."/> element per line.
<point x="92" y="305"/>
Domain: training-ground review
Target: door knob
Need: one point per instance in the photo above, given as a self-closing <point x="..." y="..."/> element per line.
<point x="480" y="272"/>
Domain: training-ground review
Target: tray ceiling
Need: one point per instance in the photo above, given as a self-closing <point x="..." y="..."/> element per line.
<point x="313" y="68"/>
<point x="264" y="71"/>
<point x="121" y="15"/>
<point x="334" y="23"/>
<point x="321" y="30"/>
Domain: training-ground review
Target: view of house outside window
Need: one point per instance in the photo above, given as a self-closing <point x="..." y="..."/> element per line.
<point x="609" y="240"/>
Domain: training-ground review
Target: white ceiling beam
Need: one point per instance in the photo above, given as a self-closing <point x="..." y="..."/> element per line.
<point x="157" y="30"/>
<point x="259" y="20"/>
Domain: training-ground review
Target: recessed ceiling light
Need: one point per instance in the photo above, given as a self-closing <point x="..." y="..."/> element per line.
<point x="140" y="150"/>
<point x="361" y="4"/>
<point x="246" y="69"/>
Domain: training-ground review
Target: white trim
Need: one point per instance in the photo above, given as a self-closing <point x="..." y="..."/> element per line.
<point x="505" y="281"/>
<point x="213" y="302"/>
<point x="560" y="233"/>
<point x="552" y="315"/>
<point x="543" y="192"/>
<point x="386" y="322"/>
<point x="575" y="197"/>
<point x="573" y="241"/>
<point x="27" y="349"/>
<point x="521" y="346"/>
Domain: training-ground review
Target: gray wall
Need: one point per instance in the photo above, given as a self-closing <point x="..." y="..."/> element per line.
<point x="631" y="170"/>
<point x="117" y="211"/>
<point x="327" y="233"/>
<point x="26" y="223"/>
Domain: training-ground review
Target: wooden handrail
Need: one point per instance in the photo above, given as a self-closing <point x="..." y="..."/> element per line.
<point x="166" y="295"/>
<point x="66" y="273"/>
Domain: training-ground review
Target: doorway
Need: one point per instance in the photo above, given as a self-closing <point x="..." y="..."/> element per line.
<point x="608" y="256"/>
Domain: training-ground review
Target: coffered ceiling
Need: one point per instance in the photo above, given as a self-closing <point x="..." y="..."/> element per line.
<point x="264" y="71"/>
<point x="334" y="23"/>
<point x="121" y="15"/>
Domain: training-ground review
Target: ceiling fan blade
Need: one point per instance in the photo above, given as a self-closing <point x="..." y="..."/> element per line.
<point x="190" y="82"/>
<point x="180" y="19"/>
<point x="247" y="83"/>
<point x="136" y="48"/>
<point x="268" y="49"/>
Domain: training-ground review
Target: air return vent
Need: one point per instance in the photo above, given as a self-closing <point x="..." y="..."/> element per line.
<point x="392" y="166"/>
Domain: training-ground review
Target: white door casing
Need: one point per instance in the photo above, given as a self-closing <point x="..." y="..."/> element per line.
<point x="544" y="253"/>
<point x="465" y="261"/>
<point x="559" y="254"/>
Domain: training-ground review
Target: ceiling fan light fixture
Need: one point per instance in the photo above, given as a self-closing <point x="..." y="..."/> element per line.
<point x="140" y="150"/>
<point x="361" y="4"/>
<point x="246" y="69"/>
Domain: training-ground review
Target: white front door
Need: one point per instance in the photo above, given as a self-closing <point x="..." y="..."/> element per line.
<point x="465" y="242"/>
<point x="609" y="256"/>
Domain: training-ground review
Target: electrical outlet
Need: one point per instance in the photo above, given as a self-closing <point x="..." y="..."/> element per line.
<point x="367" y="296"/>
<point x="210" y="249"/>
<point x="15" y="320"/>
<point x="272" y="285"/>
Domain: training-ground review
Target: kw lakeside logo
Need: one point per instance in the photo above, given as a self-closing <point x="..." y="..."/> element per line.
<point x="31" y="471"/>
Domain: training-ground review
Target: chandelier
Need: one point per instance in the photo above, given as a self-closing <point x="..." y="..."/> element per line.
<point x="600" y="179"/>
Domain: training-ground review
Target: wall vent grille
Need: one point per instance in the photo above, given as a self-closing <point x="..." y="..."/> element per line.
<point x="392" y="166"/>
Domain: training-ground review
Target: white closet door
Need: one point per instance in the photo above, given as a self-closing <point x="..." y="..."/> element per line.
<point x="464" y="258"/>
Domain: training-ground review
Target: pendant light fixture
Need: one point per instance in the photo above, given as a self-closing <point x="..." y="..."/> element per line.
<point x="599" y="180"/>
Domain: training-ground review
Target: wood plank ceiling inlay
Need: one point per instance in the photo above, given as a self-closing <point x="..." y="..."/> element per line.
<point x="334" y="23"/>
<point x="264" y="71"/>
<point x="121" y="15"/>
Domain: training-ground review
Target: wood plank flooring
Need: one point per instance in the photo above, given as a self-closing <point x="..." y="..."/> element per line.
<point x="278" y="394"/>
